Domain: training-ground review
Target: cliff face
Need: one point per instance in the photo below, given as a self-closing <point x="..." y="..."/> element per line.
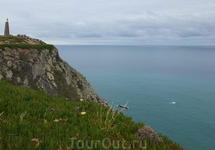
<point x="44" y="69"/>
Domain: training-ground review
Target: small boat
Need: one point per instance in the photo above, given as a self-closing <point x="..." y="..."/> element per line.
<point x="123" y="106"/>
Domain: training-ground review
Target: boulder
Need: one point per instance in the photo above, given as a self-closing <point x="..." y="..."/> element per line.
<point x="147" y="132"/>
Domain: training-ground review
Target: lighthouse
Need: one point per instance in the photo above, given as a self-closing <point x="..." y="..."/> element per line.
<point x="6" y="29"/>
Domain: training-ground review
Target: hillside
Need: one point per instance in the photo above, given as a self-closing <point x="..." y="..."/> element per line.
<point x="35" y="120"/>
<point x="47" y="104"/>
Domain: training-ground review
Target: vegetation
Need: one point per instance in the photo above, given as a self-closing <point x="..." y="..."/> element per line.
<point x="15" y="42"/>
<point x="35" y="120"/>
<point x="12" y="39"/>
<point x="27" y="46"/>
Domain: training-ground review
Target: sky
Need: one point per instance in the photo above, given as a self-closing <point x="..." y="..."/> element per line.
<point x="112" y="22"/>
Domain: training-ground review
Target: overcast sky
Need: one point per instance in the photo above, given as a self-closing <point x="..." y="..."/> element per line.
<point x="112" y="22"/>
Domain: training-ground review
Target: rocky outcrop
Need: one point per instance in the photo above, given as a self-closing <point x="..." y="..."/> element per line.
<point x="44" y="69"/>
<point x="147" y="132"/>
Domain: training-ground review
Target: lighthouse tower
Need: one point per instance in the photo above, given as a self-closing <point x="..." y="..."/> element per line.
<point x="6" y="29"/>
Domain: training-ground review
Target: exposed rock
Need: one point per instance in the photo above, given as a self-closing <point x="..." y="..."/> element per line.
<point x="8" y="74"/>
<point x="25" y="82"/>
<point x="1" y="77"/>
<point x="18" y="79"/>
<point x="44" y="69"/>
<point x="9" y="63"/>
<point x="50" y="76"/>
<point x="147" y="132"/>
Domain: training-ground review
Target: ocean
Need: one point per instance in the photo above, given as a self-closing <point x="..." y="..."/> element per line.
<point x="170" y="88"/>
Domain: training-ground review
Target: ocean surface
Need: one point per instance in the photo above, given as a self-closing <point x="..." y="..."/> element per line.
<point x="170" y="88"/>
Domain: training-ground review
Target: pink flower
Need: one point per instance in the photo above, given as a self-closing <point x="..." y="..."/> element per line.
<point x="56" y="120"/>
<point x="35" y="140"/>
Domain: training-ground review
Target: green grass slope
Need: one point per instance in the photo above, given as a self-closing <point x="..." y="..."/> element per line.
<point x="27" y="46"/>
<point x="12" y="39"/>
<point x="15" y="42"/>
<point x="35" y="120"/>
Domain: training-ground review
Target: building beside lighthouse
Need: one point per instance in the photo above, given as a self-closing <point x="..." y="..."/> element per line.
<point x="6" y="29"/>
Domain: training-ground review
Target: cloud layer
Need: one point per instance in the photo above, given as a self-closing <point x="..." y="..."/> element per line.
<point x="112" y="22"/>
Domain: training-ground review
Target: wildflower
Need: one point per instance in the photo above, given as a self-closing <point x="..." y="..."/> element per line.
<point x="35" y="140"/>
<point x="56" y="120"/>
<point x="83" y="113"/>
<point x="81" y="99"/>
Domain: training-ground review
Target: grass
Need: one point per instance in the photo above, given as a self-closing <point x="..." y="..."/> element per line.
<point x="15" y="42"/>
<point x="35" y="120"/>
<point x="12" y="39"/>
<point x="27" y="46"/>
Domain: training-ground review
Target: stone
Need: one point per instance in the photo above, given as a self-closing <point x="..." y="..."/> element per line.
<point x="37" y="69"/>
<point x="147" y="132"/>
<point x="18" y="79"/>
<point x="1" y="77"/>
<point x="54" y="85"/>
<point x="9" y="74"/>
<point x="48" y="68"/>
<point x="25" y="82"/>
<point x="9" y="63"/>
<point x="50" y="76"/>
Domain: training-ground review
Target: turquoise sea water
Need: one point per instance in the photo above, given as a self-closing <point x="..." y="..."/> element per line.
<point x="171" y="88"/>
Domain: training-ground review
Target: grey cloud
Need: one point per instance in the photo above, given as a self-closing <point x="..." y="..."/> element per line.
<point x="122" y="21"/>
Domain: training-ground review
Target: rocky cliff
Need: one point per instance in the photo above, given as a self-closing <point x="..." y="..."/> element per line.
<point x="44" y="69"/>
